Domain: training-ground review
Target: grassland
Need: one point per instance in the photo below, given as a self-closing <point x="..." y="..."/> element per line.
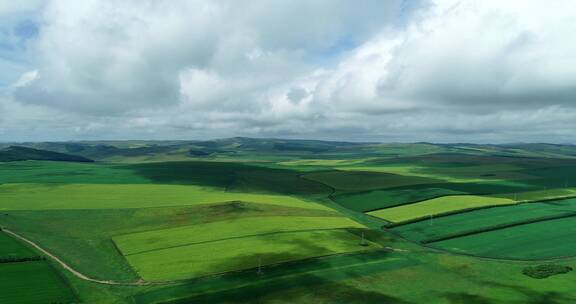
<point x="241" y="253"/>
<point x="437" y="206"/>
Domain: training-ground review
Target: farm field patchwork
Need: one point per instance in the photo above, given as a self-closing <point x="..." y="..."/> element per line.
<point x="485" y="219"/>
<point x="437" y="206"/>
<point x="548" y="239"/>
<point x="89" y="247"/>
<point x="199" y="227"/>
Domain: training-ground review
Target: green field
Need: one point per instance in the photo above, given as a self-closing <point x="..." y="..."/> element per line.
<point x="33" y="283"/>
<point x="437" y="206"/>
<point x="549" y="239"/>
<point x="241" y="253"/>
<point x="485" y="218"/>
<point x="236" y="228"/>
<point x="98" y="196"/>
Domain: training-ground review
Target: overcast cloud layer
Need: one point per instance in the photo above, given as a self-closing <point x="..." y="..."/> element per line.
<point x="437" y="70"/>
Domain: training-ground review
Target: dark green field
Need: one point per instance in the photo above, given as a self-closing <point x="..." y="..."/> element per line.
<point x="29" y="281"/>
<point x="277" y="221"/>
<point x="540" y="240"/>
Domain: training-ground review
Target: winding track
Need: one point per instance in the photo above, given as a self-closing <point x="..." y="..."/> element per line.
<point x="72" y="270"/>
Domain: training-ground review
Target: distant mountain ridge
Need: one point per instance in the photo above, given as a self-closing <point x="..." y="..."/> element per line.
<point x="17" y="153"/>
<point x="255" y="148"/>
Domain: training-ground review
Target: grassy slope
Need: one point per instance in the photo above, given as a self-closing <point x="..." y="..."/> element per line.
<point x="437" y="206"/>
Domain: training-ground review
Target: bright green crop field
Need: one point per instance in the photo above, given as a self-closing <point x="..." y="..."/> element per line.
<point x="98" y="196"/>
<point x="236" y="228"/>
<point x="287" y="221"/>
<point x="438" y="206"/>
<point x="241" y="253"/>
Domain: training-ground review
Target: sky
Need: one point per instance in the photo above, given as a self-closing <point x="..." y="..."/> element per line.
<point x="480" y="71"/>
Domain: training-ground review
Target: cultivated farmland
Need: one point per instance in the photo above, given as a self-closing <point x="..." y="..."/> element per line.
<point x="245" y="220"/>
